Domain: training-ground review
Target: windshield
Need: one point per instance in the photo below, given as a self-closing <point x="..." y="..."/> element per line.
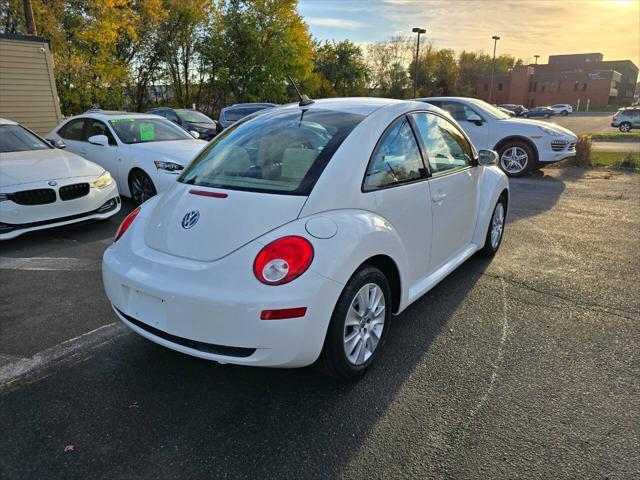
<point x="193" y="116"/>
<point x="145" y="130"/>
<point x="282" y="152"/>
<point x="14" y="138"/>
<point x="490" y="109"/>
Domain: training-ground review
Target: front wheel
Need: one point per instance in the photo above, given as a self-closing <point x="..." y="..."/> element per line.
<point x="141" y="187"/>
<point x="565" y="113"/>
<point x="625" y="127"/>
<point x="496" y="228"/>
<point x="358" y="327"/>
<point x="516" y="158"/>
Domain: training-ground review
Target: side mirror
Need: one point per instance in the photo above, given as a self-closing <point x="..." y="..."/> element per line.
<point x="474" y="118"/>
<point x="56" y="143"/>
<point x="487" y="158"/>
<point x="194" y="134"/>
<point x="101" y="140"/>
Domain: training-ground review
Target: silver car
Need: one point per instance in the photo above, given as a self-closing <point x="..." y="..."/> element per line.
<point x="626" y="119"/>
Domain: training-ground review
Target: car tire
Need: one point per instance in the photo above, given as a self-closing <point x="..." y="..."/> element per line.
<point x="547" y="115"/>
<point x="565" y="113"/>
<point x="495" y="231"/>
<point x="354" y="328"/>
<point x="625" y="127"/>
<point x="511" y="156"/>
<point x="141" y="186"/>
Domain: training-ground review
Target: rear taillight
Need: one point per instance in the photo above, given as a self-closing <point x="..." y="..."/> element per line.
<point x="126" y="223"/>
<point x="283" y="260"/>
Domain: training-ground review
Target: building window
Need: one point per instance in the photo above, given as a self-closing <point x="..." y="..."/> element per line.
<point x="486" y="87"/>
<point x="535" y="86"/>
<point x="542" y="87"/>
<point x="530" y="86"/>
<point x="559" y="86"/>
<point x="499" y="86"/>
<point x="575" y="87"/>
<point x="584" y="87"/>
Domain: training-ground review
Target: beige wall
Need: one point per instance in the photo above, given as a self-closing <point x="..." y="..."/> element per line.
<point x="27" y="86"/>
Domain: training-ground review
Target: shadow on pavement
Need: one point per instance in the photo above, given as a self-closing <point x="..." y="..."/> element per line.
<point x="136" y="409"/>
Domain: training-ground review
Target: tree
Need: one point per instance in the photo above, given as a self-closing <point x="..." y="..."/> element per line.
<point x="387" y="62"/>
<point x="341" y="68"/>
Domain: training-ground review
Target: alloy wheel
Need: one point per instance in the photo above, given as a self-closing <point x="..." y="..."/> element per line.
<point x="142" y="188"/>
<point x="364" y="324"/>
<point x="514" y="160"/>
<point x="497" y="225"/>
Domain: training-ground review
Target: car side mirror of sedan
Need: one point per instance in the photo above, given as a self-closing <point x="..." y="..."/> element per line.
<point x="487" y="158"/>
<point x="194" y="134"/>
<point x="474" y="118"/>
<point x="101" y="140"/>
<point x="55" y="143"/>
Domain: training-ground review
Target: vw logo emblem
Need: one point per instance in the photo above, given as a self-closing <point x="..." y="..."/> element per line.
<point x="52" y="183"/>
<point x="190" y="219"/>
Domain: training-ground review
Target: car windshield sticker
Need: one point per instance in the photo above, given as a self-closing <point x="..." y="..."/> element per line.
<point x="119" y="120"/>
<point x="147" y="132"/>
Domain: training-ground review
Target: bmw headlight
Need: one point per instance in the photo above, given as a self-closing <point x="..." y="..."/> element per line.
<point x="168" y="166"/>
<point x="102" y="181"/>
<point x="550" y="131"/>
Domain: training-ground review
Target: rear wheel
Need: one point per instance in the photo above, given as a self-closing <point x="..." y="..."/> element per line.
<point x="358" y="327"/>
<point x="565" y="113"/>
<point x="625" y="127"/>
<point x="496" y="228"/>
<point x="546" y="115"/>
<point x="141" y="187"/>
<point x="516" y="158"/>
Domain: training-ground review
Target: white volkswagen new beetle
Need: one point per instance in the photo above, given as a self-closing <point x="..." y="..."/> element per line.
<point x="296" y="235"/>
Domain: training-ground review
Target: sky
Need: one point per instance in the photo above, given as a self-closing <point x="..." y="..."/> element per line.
<point x="525" y="27"/>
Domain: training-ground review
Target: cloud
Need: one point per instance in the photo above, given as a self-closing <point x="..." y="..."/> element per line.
<point x="333" y="22"/>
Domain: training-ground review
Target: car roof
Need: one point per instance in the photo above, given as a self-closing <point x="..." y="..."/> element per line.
<point x="358" y="105"/>
<point x="241" y="105"/>
<point x="106" y="115"/>
<point x="4" y="121"/>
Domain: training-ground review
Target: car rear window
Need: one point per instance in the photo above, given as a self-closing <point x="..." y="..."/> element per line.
<point x="284" y="152"/>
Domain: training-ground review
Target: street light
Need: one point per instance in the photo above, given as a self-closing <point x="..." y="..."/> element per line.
<point x="415" y="78"/>
<point x="493" y="65"/>
<point x="536" y="57"/>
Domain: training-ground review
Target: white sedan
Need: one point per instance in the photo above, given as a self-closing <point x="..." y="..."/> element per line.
<point x="43" y="187"/>
<point x="522" y="144"/>
<point x="145" y="153"/>
<point x="295" y="236"/>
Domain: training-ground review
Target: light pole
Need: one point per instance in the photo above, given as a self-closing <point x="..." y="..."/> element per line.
<point x="493" y="65"/>
<point x="536" y="57"/>
<point x="415" y="78"/>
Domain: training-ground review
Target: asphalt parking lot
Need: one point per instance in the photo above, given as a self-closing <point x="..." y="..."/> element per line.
<point x="523" y="367"/>
<point x="584" y="122"/>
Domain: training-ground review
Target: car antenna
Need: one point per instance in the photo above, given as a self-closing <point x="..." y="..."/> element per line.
<point x="304" y="100"/>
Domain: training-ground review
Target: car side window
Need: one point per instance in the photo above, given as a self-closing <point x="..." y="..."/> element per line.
<point x="458" y="111"/>
<point x="96" y="127"/>
<point x="171" y="115"/>
<point x="446" y="147"/>
<point x="73" y="130"/>
<point x="396" y="159"/>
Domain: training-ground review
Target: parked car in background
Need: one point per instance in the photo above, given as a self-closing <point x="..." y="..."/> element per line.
<point x="626" y="119"/>
<point x="544" y="112"/>
<point x="191" y="120"/>
<point x="522" y="144"/>
<point x="145" y="153"/>
<point x="230" y="115"/>
<point x="43" y="187"/>
<point x="516" y="109"/>
<point x="352" y="209"/>
<point x="562" y="109"/>
<point x="508" y="112"/>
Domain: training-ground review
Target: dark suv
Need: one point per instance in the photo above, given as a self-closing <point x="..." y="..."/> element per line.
<point x="626" y="118"/>
<point x="190" y="120"/>
<point x="230" y="115"/>
<point x="516" y="109"/>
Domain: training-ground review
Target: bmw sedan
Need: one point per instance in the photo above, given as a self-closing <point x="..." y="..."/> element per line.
<point x="297" y="235"/>
<point x="43" y="187"/>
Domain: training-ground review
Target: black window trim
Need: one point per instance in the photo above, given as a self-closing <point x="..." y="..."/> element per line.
<point x="424" y="171"/>
<point x="474" y="156"/>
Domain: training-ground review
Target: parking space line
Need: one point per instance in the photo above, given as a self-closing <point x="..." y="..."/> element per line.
<point x="49" y="263"/>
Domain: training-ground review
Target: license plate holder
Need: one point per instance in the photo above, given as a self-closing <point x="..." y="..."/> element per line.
<point x="148" y="309"/>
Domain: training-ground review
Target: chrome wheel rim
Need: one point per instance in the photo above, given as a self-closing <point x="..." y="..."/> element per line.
<point x="364" y="324"/>
<point x="624" y="127"/>
<point x="514" y="160"/>
<point x="142" y="188"/>
<point x="497" y="225"/>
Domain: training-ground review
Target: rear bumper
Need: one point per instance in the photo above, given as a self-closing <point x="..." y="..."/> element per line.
<point x="212" y="310"/>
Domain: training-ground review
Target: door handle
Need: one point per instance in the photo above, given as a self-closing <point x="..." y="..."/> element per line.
<point x="438" y="197"/>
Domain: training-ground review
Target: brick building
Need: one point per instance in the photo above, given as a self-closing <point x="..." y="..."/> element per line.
<point x="583" y="77"/>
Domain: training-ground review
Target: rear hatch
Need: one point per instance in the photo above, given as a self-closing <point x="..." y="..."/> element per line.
<point x="223" y="224"/>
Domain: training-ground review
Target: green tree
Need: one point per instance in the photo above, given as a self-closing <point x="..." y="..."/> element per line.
<point x="341" y="68"/>
<point x="387" y="67"/>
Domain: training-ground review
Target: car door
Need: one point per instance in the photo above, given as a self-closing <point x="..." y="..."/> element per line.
<point x="453" y="186"/>
<point x="477" y="130"/>
<point x="105" y="156"/>
<point x="396" y="177"/>
<point x="72" y="133"/>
